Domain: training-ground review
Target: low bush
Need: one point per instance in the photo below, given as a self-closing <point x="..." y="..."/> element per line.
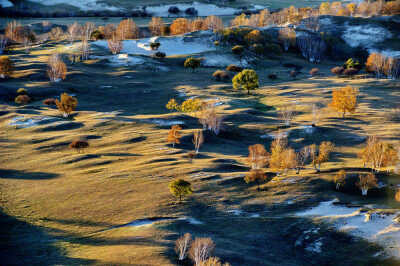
<point x="293" y="74"/>
<point x="337" y="71"/>
<point x="191" y="11"/>
<point x="216" y="43"/>
<point x="50" y="101"/>
<point x="272" y="50"/>
<point x="314" y="72"/>
<point x="165" y="30"/>
<point x="238" y="49"/>
<point x="273" y="76"/>
<point x="234" y="68"/>
<point x="220" y="75"/>
<point x="160" y="55"/>
<point x="79" y="144"/>
<point x="173" y="10"/>
<point x="349" y="72"/>
<point x="22" y="91"/>
<point x="22" y="99"/>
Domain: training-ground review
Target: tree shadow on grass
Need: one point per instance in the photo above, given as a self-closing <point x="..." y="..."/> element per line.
<point x="17" y="174"/>
<point x="25" y="244"/>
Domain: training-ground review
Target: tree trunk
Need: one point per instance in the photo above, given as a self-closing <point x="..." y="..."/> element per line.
<point x="193" y="70"/>
<point x="173" y="144"/>
<point x="248" y="92"/>
<point x="344" y="114"/>
<point x="180" y="198"/>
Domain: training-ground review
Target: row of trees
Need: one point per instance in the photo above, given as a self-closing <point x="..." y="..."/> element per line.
<point x="365" y="182"/>
<point x="382" y="65"/>
<point x="183" y="25"/>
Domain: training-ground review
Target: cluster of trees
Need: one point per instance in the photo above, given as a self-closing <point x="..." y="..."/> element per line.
<point x="198" y="250"/>
<point x="210" y="119"/>
<point x="365" y="182"/>
<point x="378" y="153"/>
<point x="183" y="25"/>
<point x="56" y="68"/>
<point x="190" y="105"/>
<point x="282" y="157"/>
<point x="382" y="65"/>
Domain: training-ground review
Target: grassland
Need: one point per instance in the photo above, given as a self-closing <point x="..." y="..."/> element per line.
<point x="60" y="207"/>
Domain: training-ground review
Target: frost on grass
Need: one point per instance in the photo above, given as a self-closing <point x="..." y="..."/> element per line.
<point x="163" y="122"/>
<point x="364" y="36"/>
<point x="223" y="60"/>
<point x="26" y="122"/>
<point x="372" y="226"/>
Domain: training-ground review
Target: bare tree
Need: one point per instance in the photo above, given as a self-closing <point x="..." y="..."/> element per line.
<point x="201" y="249"/>
<point x="26" y="42"/>
<point x="302" y="158"/>
<point x="85" y="49"/>
<point x="258" y="156"/>
<point x="127" y="29"/>
<point x="182" y="245"/>
<point x="286" y="113"/>
<point x="312" y="23"/>
<point x="56" y="69"/>
<point x="46" y="25"/>
<point x="73" y="31"/>
<point x="56" y="33"/>
<point x="10" y="30"/>
<point x="198" y="140"/>
<point x="87" y="30"/>
<point x="4" y="42"/>
<point x="312" y="47"/>
<point x="316" y="114"/>
<point x="210" y="118"/>
<point x="155" y="26"/>
<point x="115" y="45"/>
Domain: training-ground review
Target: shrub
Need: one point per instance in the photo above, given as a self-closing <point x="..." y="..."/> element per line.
<point x="234" y="68"/>
<point x="293" y="74"/>
<point x="351" y="64"/>
<point x="67" y="104"/>
<point x="337" y="71"/>
<point x="314" y="72"/>
<point x="6" y="66"/>
<point x="160" y="55"/>
<point x="237" y="50"/>
<point x="220" y="75"/>
<point x="50" y="101"/>
<point x="22" y="91"/>
<point x="191" y="155"/>
<point x="192" y="63"/>
<point x="173" y="10"/>
<point x="257" y="49"/>
<point x="97" y="35"/>
<point x="191" y="11"/>
<point x="216" y="43"/>
<point x="22" y="99"/>
<point x="79" y="144"/>
<point x="155" y="45"/>
<point x="272" y="76"/>
<point x="165" y="30"/>
<point x="349" y="72"/>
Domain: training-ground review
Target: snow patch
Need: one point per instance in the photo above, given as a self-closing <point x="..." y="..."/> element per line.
<point x="192" y="220"/>
<point x="26" y="122"/>
<point x="163" y="122"/>
<point x="83" y="5"/>
<point x="6" y="3"/>
<point x="223" y="60"/>
<point x="309" y="130"/>
<point x="364" y="35"/>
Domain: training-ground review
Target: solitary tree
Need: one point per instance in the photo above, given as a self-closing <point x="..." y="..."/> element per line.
<point x="256" y="175"/>
<point x="127" y="29"/>
<point x="286" y="113"/>
<point x="56" y="68"/>
<point x="73" y="31"/>
<point x="174" y="135"/>
<point x="6" y="66"/>
<point x="182" y="245"/>
<point x="179" y="188"/>
<point x="67" y="104"/>
<point x="337" y="71"/>
<point x="278" y="161"/>
<point x="198" y="139"/>
<point x="247" y="79"/>
<point x="192" y="63"/>
<point x="367" y="182"/>
<point x="155" y="45"/>
<point x="340" y="178"/>
<point x="201" y="249"/>
<point x="115" y="44"/>
<point x="344" y="100"/>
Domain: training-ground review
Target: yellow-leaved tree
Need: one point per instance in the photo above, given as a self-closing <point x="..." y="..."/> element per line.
<point x="344" y="100"/>
<point x="174" y="135"/>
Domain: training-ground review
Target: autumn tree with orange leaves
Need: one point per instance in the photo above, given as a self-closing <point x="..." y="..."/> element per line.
<point x="174" y="135"/>
<point x="180" y="26"/>
<point x="344" y="100"/>
<point x="321" y="154"/>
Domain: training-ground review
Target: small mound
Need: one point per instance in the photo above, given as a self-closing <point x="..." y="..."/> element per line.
<point x="78" y="158"/>
<point x="135" y="140"/>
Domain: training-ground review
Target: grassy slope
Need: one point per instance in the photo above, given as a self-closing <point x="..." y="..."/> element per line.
<point x="69" y="198"/>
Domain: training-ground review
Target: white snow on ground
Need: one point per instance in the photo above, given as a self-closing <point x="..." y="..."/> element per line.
<point x="26" y="122"/>
<point x="163" y="122"/>
<point x="377" y="227"/>
<point x="364" y="35"/>
<point x="202" y="9"/>
<point x="83" y="5"/>
<point x="308" y="129"/>
<point x="169" y="45"/>
<point x="390" y="53"/>
<point x="6" y="3"/>
<point x="223" y="60"/>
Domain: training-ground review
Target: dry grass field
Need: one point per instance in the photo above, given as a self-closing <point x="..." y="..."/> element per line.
<point x="61" y="207"/>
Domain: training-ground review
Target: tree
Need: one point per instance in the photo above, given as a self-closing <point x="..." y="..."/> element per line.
<point x="155" y="45"/>
<point x="366" y="182"/>
<point x="179" y="188"/>
<point x="220" y="75"/>
<point x="316" y="115"/>
<point x="214" y="261"/>
<point x="165" y="30"/>
<point x="127" y="29"/>
<point x="173" y="105"/>
<point x="198" y="140"/>
<point x="174" y="135"/>
<point x="278" y="160"/>
<point x="56" y="33"/>
<point x="312" y="47"/>
<point x="6" y="66"/>
<point x="67" y="104"/>
<point x="258" y="156"/>
<point x="253" y="37"/>
<point x="344" y="100"/>
<point x="73" y="31"/>
<point x="87" y="30"/>
<point x="190" y="156"/>
<point x="255" y="175"/>
<point x="247" y="79"/>
<point x="4" y="43"/>
<point x="293" y="74"/>
<point x="115" y="44"/>
<point x="192" y="63"/>
<point x="321" y="155"/>
<point x="340" y="178"/>
<point x="180" y="26"/>
<point x="155" y="26"/>
<point x="350" y="72"/>
<point x="234" y="68"/>
<point x="191" y="105"/>
<point x="85" y="49"/>
<point x="79" y="144"/>
<point x="286" y="113"/>
<point x="298" y="160"/>
<point x="182" y="245"/>
<point x="160" y="55"/>
<point x="56" y="68"/>
<point x="337" y="71"/>
<point x="210" y="118"/>
<point x="201" y="249"/>
<point x="287" y="36"/>
<point x="213" y="23"/>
